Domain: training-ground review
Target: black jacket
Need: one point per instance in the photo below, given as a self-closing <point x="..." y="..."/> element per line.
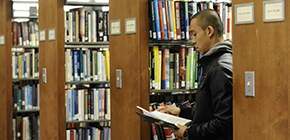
<point x="213" y="117"/>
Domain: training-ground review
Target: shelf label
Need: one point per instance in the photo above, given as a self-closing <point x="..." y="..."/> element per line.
<point x="51" y="34"/>
<point x="244" y="13"/>
<point x="2" y="40"/>
<point x="44" y="75"/>
<point x="115" y="27"/>
<point x="130" y="26"/>
<point x="273" y="11"/>
<point x="42" y="35"/>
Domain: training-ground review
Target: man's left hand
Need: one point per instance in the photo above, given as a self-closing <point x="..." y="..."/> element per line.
<point x="179" y="133"/>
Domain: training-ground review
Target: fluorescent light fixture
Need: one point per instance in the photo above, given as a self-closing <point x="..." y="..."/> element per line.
<point x="24" y="6"/>
<point x="20" y="19"/>
<point x="102" y="1"/>
<point x="25" y="0"/>
<point x="68" y="7"/>
<point x="78" y="0"/>
<point x="105" y="8"/>
<point x="21" y="14"/>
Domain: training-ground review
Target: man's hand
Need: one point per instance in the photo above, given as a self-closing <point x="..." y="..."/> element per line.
<point x="170" y="110"/>
<point x="180" y="131"/>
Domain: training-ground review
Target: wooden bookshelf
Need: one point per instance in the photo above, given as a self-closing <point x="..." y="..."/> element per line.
<point x="263" y="48"/>
<point x="129" y="52"/>
<point x="6" y="72"/>
<point x="51" y="57"/>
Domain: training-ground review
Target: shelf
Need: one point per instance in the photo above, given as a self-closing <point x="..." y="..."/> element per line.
<point x="179" y="92"/>
<point x="25" y="111"/>
<point x="170" y="42"/>
<point x="88" y="121"/>
<point x="87" y="3"/>
<point x="86" y="45"/>
<point x="88" y="82"/>
<point x="26" y="47"/>
<point x="24" y="79"/>
<point x="30" y="17"/>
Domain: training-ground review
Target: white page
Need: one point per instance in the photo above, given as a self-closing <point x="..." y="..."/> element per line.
<point x="165" y="117"/>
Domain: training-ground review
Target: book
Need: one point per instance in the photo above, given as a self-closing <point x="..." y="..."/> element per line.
<point x="163" y="119"/>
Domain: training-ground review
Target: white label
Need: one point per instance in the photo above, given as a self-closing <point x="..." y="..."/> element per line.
<point x="130" y="26"/>
<point x="51" y="34"/>
<point x="115" y="27"/>
<point x="274" y="11"/>
<point x="42" y="35"/>
<point x="244" y="13"/>
<point x="2" y="40"/>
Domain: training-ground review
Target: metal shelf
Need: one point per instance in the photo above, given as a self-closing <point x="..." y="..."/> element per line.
<point x="175" y="91"/>
<point x="26" y="47"/>
<point x="30" y="17"/>
<point x="25" y="111"/>
<point x="86" y="45"/>
<point x="87" y="3"/>
<point x="170" y="42"/>
<point x="24" y="79"/>
<point x="88" y="82"/>
<point x="88" y="121"/>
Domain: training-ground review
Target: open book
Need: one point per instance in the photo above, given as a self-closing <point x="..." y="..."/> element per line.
<point x="163" y="119"/>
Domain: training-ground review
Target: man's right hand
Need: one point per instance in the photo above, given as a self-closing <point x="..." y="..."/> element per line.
<point x="170" y="110"/>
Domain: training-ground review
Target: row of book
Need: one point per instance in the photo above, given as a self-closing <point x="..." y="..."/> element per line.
<point x="87" y="65"/>
<point x="83" y="25"/>
<point x="87" y="104"/>
<point x="26" y="128"/>
<point x="173" y="69"/>
<point x="26" y="97"/>
<point x="92" y="133"/>
<point x="25" y="33"/>
<point x="159" y="132"/>
<point x="170" y="19"/>
<point x="25" y="65"/>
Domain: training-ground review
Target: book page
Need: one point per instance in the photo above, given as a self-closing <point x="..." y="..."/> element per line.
<point x="165" y="117"/>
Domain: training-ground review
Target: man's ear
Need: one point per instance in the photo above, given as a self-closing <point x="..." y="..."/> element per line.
<point x="210" y="31"/>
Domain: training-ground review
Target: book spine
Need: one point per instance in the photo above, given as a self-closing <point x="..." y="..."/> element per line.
<point x="160" y="11"/>
<point x="164" y="21"/>
<point x="157" y="21"/>
<point x="100" y="26"/>
<point x="177" y="19"/>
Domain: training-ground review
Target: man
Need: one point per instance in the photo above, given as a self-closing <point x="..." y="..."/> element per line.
<point x="212" y="116"/>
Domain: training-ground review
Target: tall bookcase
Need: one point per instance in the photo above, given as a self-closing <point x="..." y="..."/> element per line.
<point x="25" y="72"/>
<point x="261" y="47"/>
<point x="5" y="71"/>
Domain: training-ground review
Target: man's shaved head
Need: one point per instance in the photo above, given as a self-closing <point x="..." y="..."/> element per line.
<point x="207" y="18"/>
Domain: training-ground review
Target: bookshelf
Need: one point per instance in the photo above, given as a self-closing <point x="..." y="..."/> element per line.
<point x="87" y="58"/>
<point x="171" y="50"/>
<point x="25" y="72"/>
<point x="6" y="71"/>
<point x="53" y="58"/>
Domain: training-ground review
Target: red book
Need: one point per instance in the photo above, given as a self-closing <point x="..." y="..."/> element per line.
<point x="182" y="67"/>
<point x="15" y="41"/>
<point x="177" y="20"/>
<point x="161" y="20"/>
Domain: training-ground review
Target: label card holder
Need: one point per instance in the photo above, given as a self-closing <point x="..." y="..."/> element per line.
<point x="51" y="34"/>
<point x="130" y="26"/>
<point x="244" y="13"/>
<point x="42" y="35"/>
<point x="115" y="27"/>
<point x="273" y="11"/>
<point x="2" y="40"/>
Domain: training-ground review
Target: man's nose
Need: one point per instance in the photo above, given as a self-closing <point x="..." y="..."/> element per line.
<point x="193" y="41"/>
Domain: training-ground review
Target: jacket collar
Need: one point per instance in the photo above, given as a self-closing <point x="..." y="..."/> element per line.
<point x="217" y="50"/>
